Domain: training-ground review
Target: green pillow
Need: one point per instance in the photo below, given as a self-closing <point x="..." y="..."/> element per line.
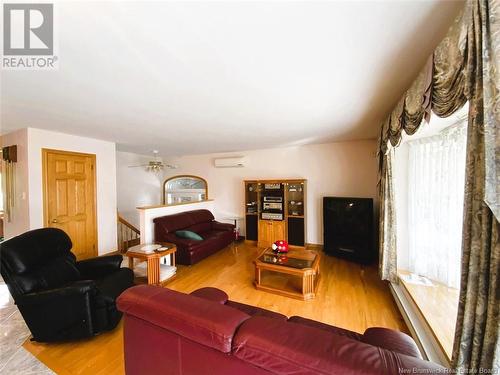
<point x="188" y="235"/>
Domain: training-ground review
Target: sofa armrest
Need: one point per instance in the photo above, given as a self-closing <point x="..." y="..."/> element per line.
<point x="196" y="319"/>
<point x="96" y="268"/>
<point x="391" y="340"/>
<point x="60" y="314"/>
<point x="216" y="225"/>
<point x="211" y="294"/>
<point x="79" y="288"/>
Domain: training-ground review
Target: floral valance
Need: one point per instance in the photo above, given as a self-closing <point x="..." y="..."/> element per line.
<point x="464" y="66"/>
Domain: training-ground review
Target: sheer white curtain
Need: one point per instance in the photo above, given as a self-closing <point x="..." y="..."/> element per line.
<point x="436" y="177"/>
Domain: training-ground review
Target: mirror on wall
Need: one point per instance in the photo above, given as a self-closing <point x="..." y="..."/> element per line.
<point x="184" y="189"/>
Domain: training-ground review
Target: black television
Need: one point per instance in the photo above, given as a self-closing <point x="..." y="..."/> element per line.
<point x="348" y="228"/>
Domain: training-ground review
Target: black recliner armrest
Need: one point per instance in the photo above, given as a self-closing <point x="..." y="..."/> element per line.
<point x="55" y="295"/>
<point x="60" y="314"/>
<point x="96" y="268"/>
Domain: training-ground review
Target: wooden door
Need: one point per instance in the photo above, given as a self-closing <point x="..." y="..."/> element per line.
<point x="278" y="230"/>
<point x="265" y="233"/>
<point x="69" y="198"/>
<point x="271" y="231"/>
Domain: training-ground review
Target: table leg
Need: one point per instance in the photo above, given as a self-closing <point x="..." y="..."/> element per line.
<point x="257" y="275"/>
<point x="153" y="271"/>
<point x="131" y="263"/>
<point x="308" y="284"/>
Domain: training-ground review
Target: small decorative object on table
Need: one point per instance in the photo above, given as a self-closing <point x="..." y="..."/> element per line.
<point x="280" y="246"/>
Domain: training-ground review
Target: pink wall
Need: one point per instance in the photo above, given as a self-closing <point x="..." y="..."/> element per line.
<point x="338" y="169"/>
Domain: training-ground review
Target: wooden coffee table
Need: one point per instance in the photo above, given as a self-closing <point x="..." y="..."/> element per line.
<point x="294" y="274"/>
<point x="153" y="260"/>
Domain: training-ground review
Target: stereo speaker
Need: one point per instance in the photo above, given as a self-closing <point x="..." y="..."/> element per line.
<point x="296" y="231"/>
<point x="251" y="227"/>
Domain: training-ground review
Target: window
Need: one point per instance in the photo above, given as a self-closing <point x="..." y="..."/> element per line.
<point x="436" y="175"/>
<point x="429" y="181"/>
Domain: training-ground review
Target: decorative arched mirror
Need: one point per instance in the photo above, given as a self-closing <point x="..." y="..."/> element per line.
<point x="184" y="189"/>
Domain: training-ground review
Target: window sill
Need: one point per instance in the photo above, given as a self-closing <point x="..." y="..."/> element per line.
<point x="438" y="305"/>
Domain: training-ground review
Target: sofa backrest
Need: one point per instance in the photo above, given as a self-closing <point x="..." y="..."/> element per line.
<point x="37" y="260"/>
<point x="284" y="347"/>
<point x="205" y="322"/>
<point x="264" y="343"/>
<point x="182" y="220"/>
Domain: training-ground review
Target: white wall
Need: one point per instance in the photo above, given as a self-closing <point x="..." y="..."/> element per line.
<point x="20" y="214"/>
<point x="105" y="173"/>
<point x="29" y="170"/>
<point x="333" y="169"/>
<point x="135" y="186"/>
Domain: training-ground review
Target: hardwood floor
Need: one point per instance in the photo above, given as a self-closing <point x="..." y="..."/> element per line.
<point x="350" y="296"/>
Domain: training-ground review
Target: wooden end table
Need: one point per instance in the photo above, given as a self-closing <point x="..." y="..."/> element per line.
<point x="153" y="260"/>
<point x="302" y="264"/>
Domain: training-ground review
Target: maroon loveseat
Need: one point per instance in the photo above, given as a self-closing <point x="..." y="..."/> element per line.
<point x="167" y="332"/>
<point x="216" y="236"/>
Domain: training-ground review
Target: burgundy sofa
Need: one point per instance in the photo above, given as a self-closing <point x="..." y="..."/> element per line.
<point x="216" y="236"/>
<point x="167" y="332"/>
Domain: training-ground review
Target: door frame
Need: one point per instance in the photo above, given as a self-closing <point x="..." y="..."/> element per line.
<point x="45" y="152"/>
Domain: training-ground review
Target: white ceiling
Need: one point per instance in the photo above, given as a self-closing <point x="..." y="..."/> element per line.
<point x="200" y="77"/>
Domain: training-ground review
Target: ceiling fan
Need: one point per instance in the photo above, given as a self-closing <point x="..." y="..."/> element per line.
<point x="155" y="165"/>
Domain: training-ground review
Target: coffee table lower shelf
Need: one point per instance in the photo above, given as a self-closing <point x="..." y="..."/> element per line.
<point x="166" y="273"/>
<point x="306" y="295"/>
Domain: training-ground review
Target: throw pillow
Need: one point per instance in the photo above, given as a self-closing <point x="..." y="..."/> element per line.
<point x="187" y="234"/>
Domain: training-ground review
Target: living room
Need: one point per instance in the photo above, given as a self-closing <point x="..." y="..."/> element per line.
<point x="266" y="187"/>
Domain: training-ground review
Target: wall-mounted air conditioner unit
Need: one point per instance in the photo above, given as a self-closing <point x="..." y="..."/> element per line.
<point x="235" y="162"/>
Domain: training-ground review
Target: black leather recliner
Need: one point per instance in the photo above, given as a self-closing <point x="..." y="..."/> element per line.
<point x="59" y="298"/>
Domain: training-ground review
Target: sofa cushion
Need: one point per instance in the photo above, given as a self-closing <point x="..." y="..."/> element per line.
<point x="207" y="243"/>
<point x="197" y="319"/>
<point x="200" y="227"/>
<point x="201" y="216"/>
<point x="256" y="311"/>
<point x="188" y="235"/>
<point x="212" y="235"/>
<point x="171" y="223"/>
<point x="181" y="243"/>
<point x="391" y="340"/>
<point x="326" y="327"/>
<point x="223" y="226"/>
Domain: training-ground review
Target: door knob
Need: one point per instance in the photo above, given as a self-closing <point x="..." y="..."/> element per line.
<point x="54" y="220"/>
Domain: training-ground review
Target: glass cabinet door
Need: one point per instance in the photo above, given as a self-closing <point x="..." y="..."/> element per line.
<point x="295" y="199"/>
